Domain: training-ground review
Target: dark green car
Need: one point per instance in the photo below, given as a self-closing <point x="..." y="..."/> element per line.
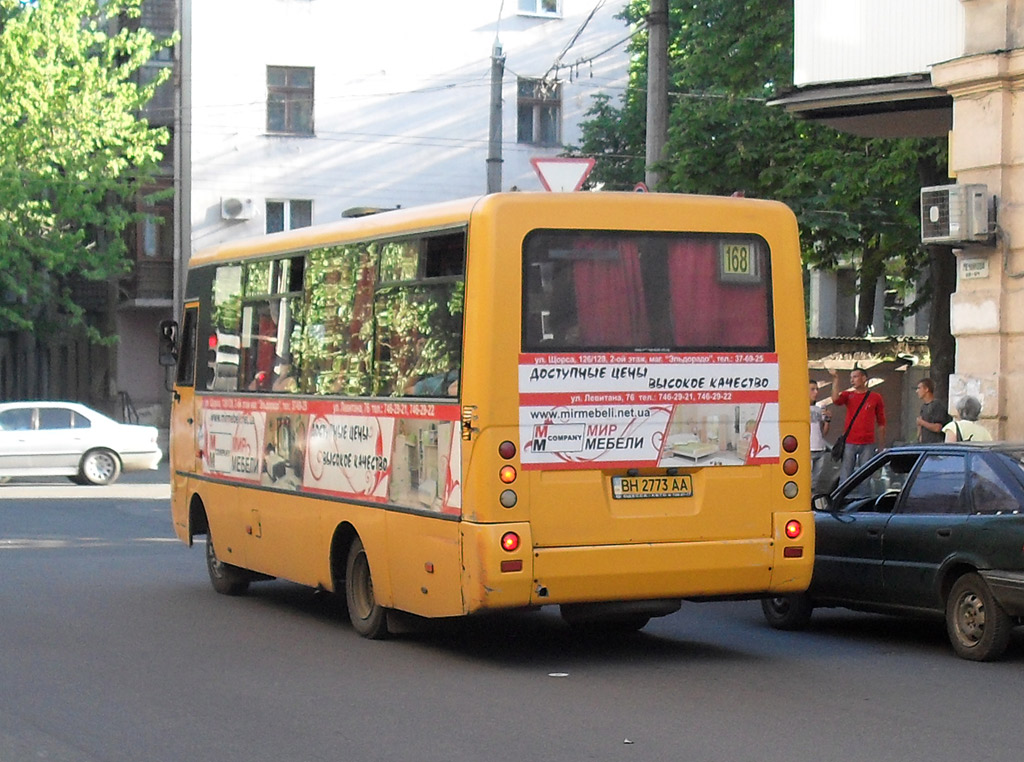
<point x="925" y="530"/>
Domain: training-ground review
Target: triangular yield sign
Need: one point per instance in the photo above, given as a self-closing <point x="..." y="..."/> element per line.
<point x="562" y="174"/>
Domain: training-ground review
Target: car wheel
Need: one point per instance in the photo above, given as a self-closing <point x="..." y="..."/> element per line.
<point x="100" y="467"/>
<point x="978" y="627"/>
<point x="368" y="617"/>
<point x="226" y="579"/>
<point x="787" y="612"/>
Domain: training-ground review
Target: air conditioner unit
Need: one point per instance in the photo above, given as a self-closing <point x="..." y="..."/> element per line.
<point x="236" y="208"/>
<point x="955" y="214"/>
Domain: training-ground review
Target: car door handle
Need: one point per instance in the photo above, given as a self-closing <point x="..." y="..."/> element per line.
<point x="874" y="532"/>
<point x="944" y="532"/>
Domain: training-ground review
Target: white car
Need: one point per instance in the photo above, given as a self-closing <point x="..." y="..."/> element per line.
<point x="69" y="439"/>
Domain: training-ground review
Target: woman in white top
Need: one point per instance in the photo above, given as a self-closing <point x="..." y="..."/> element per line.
<point x="965" y="427"/>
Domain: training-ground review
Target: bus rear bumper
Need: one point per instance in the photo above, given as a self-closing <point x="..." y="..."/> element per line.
<point x="648" y="571"/>
<point x="747" y="568"/>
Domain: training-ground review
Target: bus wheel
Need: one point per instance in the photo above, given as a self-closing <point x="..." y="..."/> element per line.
<point x="787" y="612"/>
<point x="226" y="579"/>
<point x="368" y="617"/>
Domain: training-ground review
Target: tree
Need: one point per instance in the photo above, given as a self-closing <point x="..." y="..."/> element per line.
<point x="74" y="154"/>
<point x="855" y="198"/>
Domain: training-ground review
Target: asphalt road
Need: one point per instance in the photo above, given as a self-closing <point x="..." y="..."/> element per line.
<point x="114" y="648"/>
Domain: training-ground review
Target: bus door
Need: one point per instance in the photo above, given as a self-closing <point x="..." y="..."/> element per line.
<point x="184" y="421"/>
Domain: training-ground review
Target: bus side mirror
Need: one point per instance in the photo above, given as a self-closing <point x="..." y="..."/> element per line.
<point x="168" y="343"/>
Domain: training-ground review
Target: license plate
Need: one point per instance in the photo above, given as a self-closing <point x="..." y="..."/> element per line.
<point x="627" y="487"/>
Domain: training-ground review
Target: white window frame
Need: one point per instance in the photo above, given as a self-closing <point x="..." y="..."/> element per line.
<point x="287" y="204"/>
<point x="536" y="8"/>
<point x="537" y="104"/>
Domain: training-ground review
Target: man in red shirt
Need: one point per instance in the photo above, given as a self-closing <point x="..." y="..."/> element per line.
<point x="860" y="439"/>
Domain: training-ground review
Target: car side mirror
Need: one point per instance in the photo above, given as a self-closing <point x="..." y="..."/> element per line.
<point x="168" y="351"/>
<point x="822" y="503"/>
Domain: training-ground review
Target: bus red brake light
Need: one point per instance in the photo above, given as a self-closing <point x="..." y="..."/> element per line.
<point x="790" y="467"/>
<point x="510" y="541"/>
<point x="507" y="450"/>
<point x="793" y="529"/>
<point x="789" y="444"/>
<point x="507" y="474"/>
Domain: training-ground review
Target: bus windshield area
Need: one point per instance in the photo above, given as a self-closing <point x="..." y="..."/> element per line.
<point x="631" y="291"/>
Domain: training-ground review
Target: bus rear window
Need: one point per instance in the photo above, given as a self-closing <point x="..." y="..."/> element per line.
<point x="632" y="291"/>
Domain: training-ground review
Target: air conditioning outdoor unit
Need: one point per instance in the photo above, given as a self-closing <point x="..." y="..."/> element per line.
<point x="236" y="208"/>
<point x="954" y="214"/>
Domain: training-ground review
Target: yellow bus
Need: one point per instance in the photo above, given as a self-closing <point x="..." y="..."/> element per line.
<point x="590" y="400"/>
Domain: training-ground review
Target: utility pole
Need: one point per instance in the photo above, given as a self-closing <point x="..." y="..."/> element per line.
<point x="494" y="144"/>
<point x="657" y="89"/>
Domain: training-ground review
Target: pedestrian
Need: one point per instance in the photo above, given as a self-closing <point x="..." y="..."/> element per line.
<point x="967" y="428"/>
<point x="819" y="428"/>
<point x="865" y="411"/>
<point x="933" y="415"/>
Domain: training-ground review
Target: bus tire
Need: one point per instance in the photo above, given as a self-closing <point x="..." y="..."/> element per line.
<point x="226" y="579"/>
<point x="978" y="627"/>
<point x="368" y="617"/>
<point x="787" y="612"/>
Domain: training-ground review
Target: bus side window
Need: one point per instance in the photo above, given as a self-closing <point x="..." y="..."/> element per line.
<point x="223" y="354"/>
<point x="419" y="322"/>
<point x="331" y="349"/>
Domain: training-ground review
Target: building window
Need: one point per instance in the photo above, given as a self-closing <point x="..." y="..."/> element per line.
<point x="288" y="215"/>
<point x="540" y="7"/>
<point x="290" y="100"/>
<point x="540" y="112"/>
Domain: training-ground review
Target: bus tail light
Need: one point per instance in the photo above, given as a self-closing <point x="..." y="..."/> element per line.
<point x="512" y="566"/>
<point x="508" y="498"/>
<point x="507" y="474"/>
<point x="790" y="466"/>
<point x="793" y="551"/>
<point x="793" y="529"/>
<point x="789" y="443"/>
<point x="510" y="541"/>
<point x="507" y="450"/>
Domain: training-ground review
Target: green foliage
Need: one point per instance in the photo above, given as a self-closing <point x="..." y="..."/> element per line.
<point x="73" y="153"/>
<point x="855" y="198"/>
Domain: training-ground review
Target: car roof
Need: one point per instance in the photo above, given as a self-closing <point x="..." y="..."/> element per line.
<point x="959" y="446"/>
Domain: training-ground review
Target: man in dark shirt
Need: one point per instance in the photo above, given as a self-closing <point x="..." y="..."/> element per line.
<point x="933" y="414"/>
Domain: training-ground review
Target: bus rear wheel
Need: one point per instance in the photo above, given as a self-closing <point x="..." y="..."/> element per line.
<point x="369" y="618"/>
<point x="226" y="579"/>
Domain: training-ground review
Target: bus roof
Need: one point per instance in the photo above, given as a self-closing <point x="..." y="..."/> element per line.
<point x="445" y="215"/>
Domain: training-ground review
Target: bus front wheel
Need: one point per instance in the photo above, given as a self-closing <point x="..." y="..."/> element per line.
<point x="368" y="617"/>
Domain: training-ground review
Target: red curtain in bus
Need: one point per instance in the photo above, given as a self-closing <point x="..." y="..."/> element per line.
<point x="707" y="313"/>
<point x="610" y="301"/>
